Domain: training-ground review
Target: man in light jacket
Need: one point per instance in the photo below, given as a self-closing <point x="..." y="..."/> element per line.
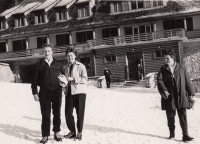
<point x="76" y="75"/>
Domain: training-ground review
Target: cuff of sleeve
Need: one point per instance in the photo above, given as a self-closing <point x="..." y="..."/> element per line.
<point x="76" y="80"/>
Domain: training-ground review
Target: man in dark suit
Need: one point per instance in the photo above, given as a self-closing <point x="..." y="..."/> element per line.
<point x="107" y="74"/>
<point x="175" y="88"/>
<point x="46" y="75"/>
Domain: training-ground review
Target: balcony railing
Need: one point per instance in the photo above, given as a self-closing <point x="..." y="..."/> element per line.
<point x="136" y="37"/>
<point x="97" y="42"/>
<point x="192" y="34"/>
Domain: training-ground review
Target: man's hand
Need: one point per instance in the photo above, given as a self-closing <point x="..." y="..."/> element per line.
<point x="70" y="78"/>
<point x="36" y="97"/>
<point x="166" y="95"/>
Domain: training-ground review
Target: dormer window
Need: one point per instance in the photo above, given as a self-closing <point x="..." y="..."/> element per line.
<point x="61" y="15"/>
<point x="20" y="22"/>
<point x="83" y="12"/>
<point x="2" y="25"/>
<point x="41" y="18"/>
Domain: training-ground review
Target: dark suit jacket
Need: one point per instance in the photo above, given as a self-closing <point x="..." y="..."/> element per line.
<point x="183" y="85"/>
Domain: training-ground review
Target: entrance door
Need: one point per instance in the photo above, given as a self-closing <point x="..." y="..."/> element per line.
<point x="26" y="73"/>
<point x="134" y="59"/>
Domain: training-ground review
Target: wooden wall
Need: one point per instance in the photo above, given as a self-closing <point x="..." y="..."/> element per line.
<point x="151" y="64"/>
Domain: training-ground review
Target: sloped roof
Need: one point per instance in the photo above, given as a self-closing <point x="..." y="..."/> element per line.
<point x="26" y="7"/>
<point x="63" y="3"/>
<point x="8" y="11"/>
<point x="45" y="4"/>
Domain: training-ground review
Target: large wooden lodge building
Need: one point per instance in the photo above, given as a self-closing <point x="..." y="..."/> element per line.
<point x="114" y="34"/>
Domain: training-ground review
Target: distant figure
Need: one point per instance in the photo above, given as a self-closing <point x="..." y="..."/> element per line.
<point x="139" y="72"/>
<point x="107" y="74"/>
<point x="175" y="89"/>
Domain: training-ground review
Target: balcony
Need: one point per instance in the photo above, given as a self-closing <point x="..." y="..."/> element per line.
<point x="60" y="50"/>
<point x="36" y="53"/>
<point x="136" y="38"/>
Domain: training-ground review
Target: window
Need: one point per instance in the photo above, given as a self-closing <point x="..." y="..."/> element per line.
<point x="19" y="45"/>
<point x="20" y="22"/>
<point x="82" y="37"/>
<point x="178" y="23"/>
<point x="62" y="15"/>
<point x="85" y="61"/>
<point x="133" y="5"/>
<point x="62" y="39"/>
<point x="109" y="32"/>
<point x="117" y="6"/>
<point x="159" y="53"/>
<point x="189" y="23"/>
<point x="2" y="46"/>
<point x="140" y="4"/>
<point x="41" y="18"/>
<point x="138" y="29"/>
<point x="157" y="3"/>
<point x="147" y="3"/>
<point x="41" y="41"/>
<point x="83" y="12"/>
<point x="110" y="58"/>
<point x="3" y="24"/>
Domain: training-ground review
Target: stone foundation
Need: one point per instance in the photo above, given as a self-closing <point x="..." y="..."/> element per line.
<point x="6" y="74"/>
<point x="191" y="61"/>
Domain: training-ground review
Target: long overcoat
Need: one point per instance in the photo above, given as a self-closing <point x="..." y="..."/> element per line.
<point x="182" y="83"/>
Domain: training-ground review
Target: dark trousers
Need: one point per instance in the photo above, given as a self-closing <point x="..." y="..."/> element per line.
<point x="108" y="82"/>
<point x="48" y="99"/>
<point x="182" y="113"/>
<point x="77" y="101"/>
<point x="182" y="119"/>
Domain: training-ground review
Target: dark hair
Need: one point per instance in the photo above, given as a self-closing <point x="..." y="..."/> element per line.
<point x="171" y="53"/>
<point x="48" y="45"/>
<point x="70" y="49"/>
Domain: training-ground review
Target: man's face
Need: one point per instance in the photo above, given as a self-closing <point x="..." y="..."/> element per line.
<point x="48" y="52"/>
<point x="71" y="57"/>
<point x="169" y="60"/>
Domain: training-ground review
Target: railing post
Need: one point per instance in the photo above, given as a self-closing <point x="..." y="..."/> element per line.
<point x="6" y="45"/>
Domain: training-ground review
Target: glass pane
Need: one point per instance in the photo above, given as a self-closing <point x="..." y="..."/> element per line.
<point x="113" y="58"/>
<point x="148" y="28"/>
<point x="189" y="22"/>
<point x="147" y="4"/>
<point x="115" y="7"/>
<point x="133" y="5"/>
<point x="154" y="3"/>
<point x="126" y="7"/>
<point x="140" y="4"/>
<point x="108" y="58"/>
<point x="135" y="30"/>
<point x="160" y="2"/>
<point x="128" y="31"/>
<point x="158" y="53"/>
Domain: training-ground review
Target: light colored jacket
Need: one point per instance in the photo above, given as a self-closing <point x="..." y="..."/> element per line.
<point x="79" y="74"/>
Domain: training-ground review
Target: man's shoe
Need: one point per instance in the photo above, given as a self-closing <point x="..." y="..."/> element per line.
<point x="186" y="137"/>
<point x="57" y="137"/>
<point x="70" y="135"/>
<point x="44" y="140"/>
<point x="172" y="135"/>
<point x="79" y="136"/>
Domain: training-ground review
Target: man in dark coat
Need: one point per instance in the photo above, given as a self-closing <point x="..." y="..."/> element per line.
<point x="46" y="75"/>
<point x="107" y="74"/>
<point x="139" y="72"/>
<point x="175" y="88"/>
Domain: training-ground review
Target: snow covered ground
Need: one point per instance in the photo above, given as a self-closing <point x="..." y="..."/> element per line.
<point x="114" y="116"/>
